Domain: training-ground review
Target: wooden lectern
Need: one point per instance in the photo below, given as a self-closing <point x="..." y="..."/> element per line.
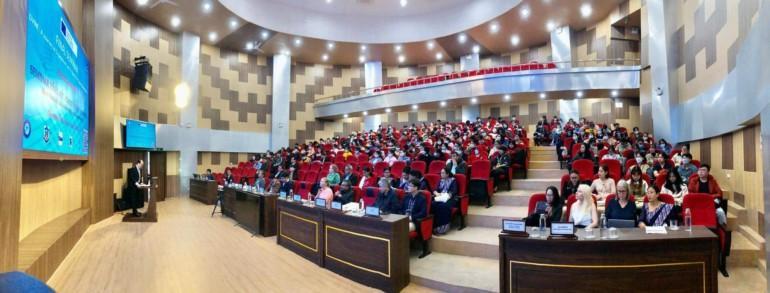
<point x="151" y="215"/>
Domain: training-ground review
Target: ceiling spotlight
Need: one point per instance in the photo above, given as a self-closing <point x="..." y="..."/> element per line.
<point x="474" y="100"/>
<point x="142" y="2"/>
<point x="249" y="46"/>
<point x="550" y="25"/>
<point x="579" y="94"/>
<point x="361" y="59"/>
<point x="585" y="10"/>
<point x="430" y="45"/>
<point x="614" y="93"/>
<point x="265" y="35"/>
<point x="524" y="12"/>
<point x="443" y="103"/>
<point x="324" y="57"/>
<point x="397" y="48"/>
<point x="176" y="21"/>
<point x="328" y="1"/>
<point x="515" y="40"/>
<point x="414" y="107"/>
<point x="206" y="6"/>
<point x="213" y="36"/>
<point x="476" y="49"/>
<point x="462" y="38"/>
<point x="401" y="58"/>
<point x="542" y="95"/>
<point x="346" y="115"/>
<point x="297" y="42"/>
<point x="403" y="3"/>
<point x="366" y="113"/>
<point x="507" y="97"/>
<point x="439" y="56"/>
<point x="363" y="47"/>
<point x="330" y="45"/>
<point x="387" y="110"/>
<point x="233" y="24"/>
<point x="494" y="27"/>
<point x="285" y="52"/>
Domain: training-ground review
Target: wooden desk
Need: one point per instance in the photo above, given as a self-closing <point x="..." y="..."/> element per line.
<point x="678" y="261"/>
<point x="204" y="191"/>
<point x="370" y="251"/>
<point x="253" y="211"/>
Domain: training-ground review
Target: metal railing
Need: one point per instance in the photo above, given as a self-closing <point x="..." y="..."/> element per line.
<point x="572" y="64"/>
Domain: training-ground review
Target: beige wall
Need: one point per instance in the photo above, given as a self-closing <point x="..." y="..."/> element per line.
<point x="49" y="189"/>
<point x="218" y="161"/>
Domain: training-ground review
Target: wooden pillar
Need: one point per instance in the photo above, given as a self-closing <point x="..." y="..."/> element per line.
<point x="13" y="24"/>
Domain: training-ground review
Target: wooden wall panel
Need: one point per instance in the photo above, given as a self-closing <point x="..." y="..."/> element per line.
<point x="750" y="149"/>
<point x="13" y="21"/>
<point x="49" y="189"/>
<point x="727" y="151"/>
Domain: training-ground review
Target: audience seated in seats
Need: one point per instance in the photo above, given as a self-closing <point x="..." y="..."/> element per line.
<point x="500" y="162"/>
<point x="675" y="186"/>
<point x="228" y="178"/>
<point x="551" y="208"/>
<point x="349" y="174"/>
<point x="333" y="178"/>
<point x="368" y="180"/>
<point x="413" y="204"/>
<point x="705" y="183"/>
<point x="422" y="184"/>
<point x="406" y="176"/>
<point x="376" y="158"/>
<point x="583" y="153"/>
<point x="444" y="199"/>
<point x="685" y="166"/>
<point x="661" y="163"/>
<point x="403" y="157"/>
<point x="583" y="212"/>
<point x="572" y="185"/>
<point x="637" y="186"/>
<point x="391" y="157"/>
<point x="654" y="211"/>
<point x="208" y="175"/>
<point x="677" y="158"/>
<point x="664" y="146"/>
<point x="620" y="207"/>
<point x="644" y="161"/>
<point x="277" y="162"/>
<point x="613" y="155"/>
<point x="345" y="194"/>
<point x="275" y="186"/>
<point x="604" y="185"/>
<point x="456" y="165"/>
<point x="259" y="183"/>
<point x="287" y="186"/>
<point x="386" y="175"/>
<point x="279" y="172"/>
<point x="387" y="200"/>
<point x="325" y="192"/>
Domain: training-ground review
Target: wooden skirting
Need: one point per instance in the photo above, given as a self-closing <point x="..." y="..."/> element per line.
<point x="44" y="249"/>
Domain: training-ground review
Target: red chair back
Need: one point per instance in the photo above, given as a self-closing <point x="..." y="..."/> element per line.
<point x="311" y="176"/>
<point x="664" y="197"/>
<point x="379" y="168"/>
<point x="696" y="163"/>
<point x="316" y="166"/>
<point x="564" y="180"/>
<point x="363" y="158"/>
<point x="480" y="170"/>
<point x="533" y="199"/>
<point x="702" y="209"/>
<point x="302" y="188"/>
<point x="304" y="166"/>
<point x="433" y="180"/>
<point x="610" y="197"/>
<point x="462" y="184"/>
<point x="585" y="167"/>
<point x="357" y="193"/>
<point x="614" y="166"/>
<point x="370" y="195"/>
<point x="419" y="166"/>
<point x="630" y="163"/>
<point x="436" y="166"/>
<point x="570" y="200"/>
<point x="397" y="169"/>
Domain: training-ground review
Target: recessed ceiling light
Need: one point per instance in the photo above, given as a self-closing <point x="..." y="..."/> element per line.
<point x="233" y="24"/>
<point x="476" y="49"/>
<point x="439" y="56"/>
<point x="397" y="48"/>
<point x="614" y="93"/>
<point x="328" y="1"/>
<point x="330" y="45"/>
<point x="430" y="45"/>
<point x="249" y="46"/>
<point x="213" y="36"/>
<point x="346" y="115"/>
<point x="264" y="35"/>
<point x="285" y="52"/>
<point x="325" y="57"/>
<point x="401" y="58"/>
<point x="363" y="47"/>
<point x="403" y="3"/>
<point x="443" y="103"/>
<point x="206" y="6"/>
<point x="515" y="40"/>
<point x="297" y="42"/>
<point x="142" y="2"/>
<point x="414" y="107"/>
<point x="507" y="97"/>
<point x="542" y="95"/>
<point x="387" y="110"/>
<point x="524" y="12"/>
<point x="585" y="10"/>
<point x="366" y="113"/>
<point x="474" y="100"/>
<point x="361" y="59"/>
<point x="175" y="21"/>
<point x="494" y="27"/>
<point x="550" y="25"/>
<point x="579" y="94"/>
<point x="462" y="38"/>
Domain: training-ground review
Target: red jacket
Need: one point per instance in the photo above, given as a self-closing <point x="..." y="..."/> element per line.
<point x="714" y="188"/>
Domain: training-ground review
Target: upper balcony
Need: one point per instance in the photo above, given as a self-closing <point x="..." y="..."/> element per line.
<point x="616" y="74"/>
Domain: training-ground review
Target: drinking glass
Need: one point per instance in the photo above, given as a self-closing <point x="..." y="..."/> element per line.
<point x="589" y="233"/>
<point x="674" y="225"/>
<point x="534" y="232"/>
<point x="613" y="233"/>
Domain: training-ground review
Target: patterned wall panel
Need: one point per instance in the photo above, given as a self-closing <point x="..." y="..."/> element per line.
<point x="312" y="82"/>
<point x="134" y="37"/>
<point x="235" y="90"/>
<point x="217" y="161"/>
<point x="541" y="53"/>
<point x="707" y="40"/>
<point x="604" y="41"/>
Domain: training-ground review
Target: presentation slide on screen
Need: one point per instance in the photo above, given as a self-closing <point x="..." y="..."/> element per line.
<point x="140" y="134"/>
<point x="57" y="83"/>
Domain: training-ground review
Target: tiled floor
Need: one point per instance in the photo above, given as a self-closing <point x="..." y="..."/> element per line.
<point x="743" y="280"/>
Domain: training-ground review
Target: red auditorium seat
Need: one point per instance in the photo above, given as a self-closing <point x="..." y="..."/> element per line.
<point x="357" y="193"/>
<point x="667" y="198"/>
<point x="551" y="65"/>
<point x="363" y="158"/>
<point x="480" y="172"/>
<point x="696" y="163"/>
<point x="379" y="168"/>
<point x="311" y="176"/>
<point x="703" y="213"/>
<point x="419" y="166"/>
<point x="436" y="166"/>
<point x="370" y="195"/>
<point x="629" y="163"/>
<point x="303" y="189"/>
<point x="364" y="166"/>
<point x="515" y="67"/>
<point x="316" y="166"/>
<point x="424" y="227"/>
<point x="610" y="197"/>
<point x="614" y="166"/>
<point x="585" y="168"/>
<point x="397" y="169"/>
<point x="464" y="201"/>
<point x="433" y="180"/>
<point x="533" y="199"/>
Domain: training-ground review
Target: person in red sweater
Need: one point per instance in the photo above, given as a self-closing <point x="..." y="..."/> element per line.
<point x="705" y="183"/>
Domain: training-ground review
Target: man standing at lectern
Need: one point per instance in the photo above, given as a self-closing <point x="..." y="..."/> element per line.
<point x="134" y="196"/>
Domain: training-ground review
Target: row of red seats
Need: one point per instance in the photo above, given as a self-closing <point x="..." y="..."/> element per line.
<point x="470" y="73"/>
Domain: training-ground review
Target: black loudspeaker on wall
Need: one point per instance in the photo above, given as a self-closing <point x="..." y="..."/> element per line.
<point x="142" y="80"/>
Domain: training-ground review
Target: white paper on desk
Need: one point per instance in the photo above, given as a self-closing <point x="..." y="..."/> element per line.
<point x="655" y="230"/>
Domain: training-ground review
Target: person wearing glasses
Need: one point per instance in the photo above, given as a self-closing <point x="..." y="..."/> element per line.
<point x="620" y="207"/>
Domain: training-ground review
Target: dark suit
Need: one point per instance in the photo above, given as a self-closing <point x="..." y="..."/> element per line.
<point x="417" y="204"/>
<point x="350" y="177"/>
<point x="460" y="169"/>
<point x="134" y="195"/>
<point x="387" y="202"/>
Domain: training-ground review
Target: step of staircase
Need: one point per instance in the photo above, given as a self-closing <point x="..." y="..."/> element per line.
<point x="455" y="273"/>
<point x="545" y="173"/>
<point x="733" y="221"/>
<point x="543" y="164"/>
<point x="481" y="216"/>
<point x="471" y="241"/>
<point x="753" y="237"/>
<point x="543" y="157"/>
<point x="542" y="148"/>
<point x="743" y="253"/>
<point x="535" y="184"/>
<point x="517" y="198"/>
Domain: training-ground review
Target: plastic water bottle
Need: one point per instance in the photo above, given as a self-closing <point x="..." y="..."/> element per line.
<point x="603" y="227"/>
<point x="688" y="220"/>
<point x="542" y="224"/>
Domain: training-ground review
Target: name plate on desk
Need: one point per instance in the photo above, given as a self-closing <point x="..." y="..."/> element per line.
<point x="514" y="226"/>
<point x="282" y="195"/>
<point x="320" y="202"/>
<point x="297" y="197"/>
<point x="372" y="212"/>
<point x="336" y="205"/>
<point x="562" y="229"/>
